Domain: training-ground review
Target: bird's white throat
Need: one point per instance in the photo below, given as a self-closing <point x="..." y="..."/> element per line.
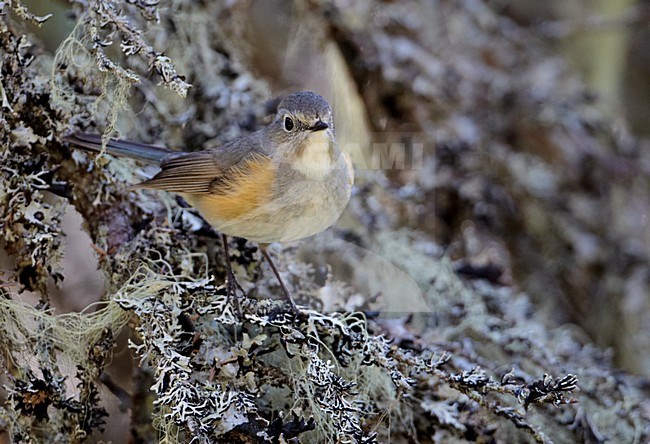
<point x="316" y="159"/>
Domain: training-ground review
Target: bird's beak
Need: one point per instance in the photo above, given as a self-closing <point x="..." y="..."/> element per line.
<point x="319" y="126"/>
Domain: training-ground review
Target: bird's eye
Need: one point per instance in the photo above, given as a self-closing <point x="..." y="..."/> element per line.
<point x="288" y="123"/>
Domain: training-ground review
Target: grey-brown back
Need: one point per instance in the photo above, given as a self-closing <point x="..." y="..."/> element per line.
<point x="201" y="171"/>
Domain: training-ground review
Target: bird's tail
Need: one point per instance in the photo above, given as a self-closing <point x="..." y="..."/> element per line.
<point x="139" y="151"/>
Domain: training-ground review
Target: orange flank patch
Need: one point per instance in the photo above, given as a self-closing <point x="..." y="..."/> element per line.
<point x="243" y="190"/>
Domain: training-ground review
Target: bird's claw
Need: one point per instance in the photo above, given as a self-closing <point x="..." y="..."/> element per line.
<point x="231" y="290"/>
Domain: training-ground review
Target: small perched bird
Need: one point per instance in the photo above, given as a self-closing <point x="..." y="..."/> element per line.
<point x="282" y="183"/>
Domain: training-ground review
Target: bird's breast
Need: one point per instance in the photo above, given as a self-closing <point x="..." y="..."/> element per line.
<point x="283" y="204"/>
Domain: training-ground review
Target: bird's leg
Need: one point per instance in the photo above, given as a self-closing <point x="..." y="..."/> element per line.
<point x="231" y="282"/>
<point x="277" y="275"/>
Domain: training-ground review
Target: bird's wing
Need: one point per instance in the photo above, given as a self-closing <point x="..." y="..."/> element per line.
<point x="209" y="171"/>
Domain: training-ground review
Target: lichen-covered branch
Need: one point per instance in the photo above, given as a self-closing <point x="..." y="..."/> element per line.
<point x="106" y="20"/>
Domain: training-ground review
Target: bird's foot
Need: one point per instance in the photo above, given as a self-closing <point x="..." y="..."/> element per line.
<point x="231" y="290"/>
<point x="292" y="305"/>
